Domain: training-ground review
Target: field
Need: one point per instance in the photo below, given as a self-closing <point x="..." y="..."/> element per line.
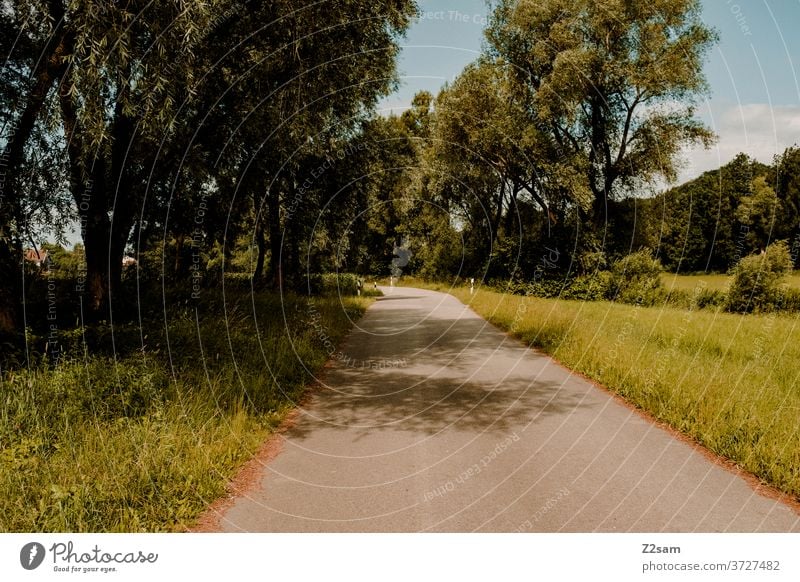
<point x="144" y="438"/>
<point x="712" y="281"/>
<point x="728" y="381"/>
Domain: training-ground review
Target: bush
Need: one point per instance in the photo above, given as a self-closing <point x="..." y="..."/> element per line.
<point x="339" y="284"/>
<point x="757" y="279"/>
<point x="790" y="299"/>
<point x="590" y="287"/>
<point x="709" y="298"/>
<point x="547" y="288"/>
<point x="636" y="279"/>
<point x="592" y="261"/>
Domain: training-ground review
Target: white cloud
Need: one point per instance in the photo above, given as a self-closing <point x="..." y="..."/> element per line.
<point x="756" y="129"/>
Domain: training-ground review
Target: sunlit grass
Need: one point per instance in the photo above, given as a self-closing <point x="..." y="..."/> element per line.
<point x="729" y="381"/>
<point x="712" y="281"/>
<point x="122" y="444"/>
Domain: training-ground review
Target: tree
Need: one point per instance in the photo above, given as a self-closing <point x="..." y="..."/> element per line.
<point x="387" y="186"/>
<point x="757" y="212"/>
<point x="786" y="177"/>
<point x="129" y="64"/>
<point x="153" y="109"/>
<point x="489" y="161"/>
<point x="34" y="40"/>
<point x="613" y="82"/>
<point x="711" y="222"/>
<point x="298" y="105"/>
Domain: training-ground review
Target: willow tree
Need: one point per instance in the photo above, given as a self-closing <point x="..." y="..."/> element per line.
<point x="130" y="64"/>
<point x="34" y="41"/>
<point x="613" y="82"/>
<point x="487" y="148"/>
<point x="299" y="103"/>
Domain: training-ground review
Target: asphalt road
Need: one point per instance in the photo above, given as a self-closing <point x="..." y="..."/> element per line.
<point x="434" y="420"/>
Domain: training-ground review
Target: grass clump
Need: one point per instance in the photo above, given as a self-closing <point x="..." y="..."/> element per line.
<point x="636" y="279"/>
<point x="757" y="280"/>
<point x="145" y="436"/>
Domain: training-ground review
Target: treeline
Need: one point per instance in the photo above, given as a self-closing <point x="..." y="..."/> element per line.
<point x="174" y="131"/>
<point x="712" y="222"/>
<point x="523" y="164"/>
<point x="540" y="161"/>
<point x="241" y="136"/>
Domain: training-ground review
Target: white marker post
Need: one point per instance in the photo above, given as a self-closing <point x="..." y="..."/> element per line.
<point x="471" y="285"/>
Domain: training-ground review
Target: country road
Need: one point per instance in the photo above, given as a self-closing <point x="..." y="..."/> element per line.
<point x="437" y="421"/>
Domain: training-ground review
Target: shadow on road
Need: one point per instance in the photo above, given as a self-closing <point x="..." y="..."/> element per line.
<point x="414" y="371"/>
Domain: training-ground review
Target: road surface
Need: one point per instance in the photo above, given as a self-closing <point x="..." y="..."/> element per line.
<point x="434" y="420"/>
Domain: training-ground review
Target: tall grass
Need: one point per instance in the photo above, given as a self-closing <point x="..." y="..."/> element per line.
<point x="729" y="381"/>
<point x="145" y="436"/>
<point x="712" y="281"/>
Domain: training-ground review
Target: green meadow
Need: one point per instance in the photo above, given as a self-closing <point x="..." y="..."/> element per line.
<point x="728" y="381"/>
<point x="144" y="438"/>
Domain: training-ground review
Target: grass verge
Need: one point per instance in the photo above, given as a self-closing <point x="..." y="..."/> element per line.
<point x="712" y="281"/>
<point x="728" y="381"/>
<point x="144" y="437"/>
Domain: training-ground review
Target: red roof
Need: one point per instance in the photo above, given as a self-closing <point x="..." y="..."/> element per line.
<point x="35" y="257"/>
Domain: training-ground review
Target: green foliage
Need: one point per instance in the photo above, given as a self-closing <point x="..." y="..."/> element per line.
<point x="332" y="284"/>
<point x="702" y="372"/>
<point x="337" y="284"/>
<point x="636" y="279"/>
<point x="785" y="175"/>
<point x="143" y="440"/>
<point x="789" y="299"/>
<point x="735" y="203"/>
<point x="757" y="280"/>
<point x="590" y="287"/>
<point x="709" y="298"/>
<point x="592" y="261"/>
<point x="615" y="77"/>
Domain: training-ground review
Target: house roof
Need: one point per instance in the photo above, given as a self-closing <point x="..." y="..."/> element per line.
<point x="35" y="257"/>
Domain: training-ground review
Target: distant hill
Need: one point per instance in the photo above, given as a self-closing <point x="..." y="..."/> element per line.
<point x="712" y="221"/>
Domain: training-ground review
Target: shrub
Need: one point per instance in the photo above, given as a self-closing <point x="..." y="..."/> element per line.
<point x="709" y="298"/>
<point x="590" y="287"/>
<point x="790" y="299"/>
<point x="757" y="279"/>
<point x="339" y="284"/>
<point x="636" y="278"/>
<point x="592" y="261"/>
<point x="547" y="288"/>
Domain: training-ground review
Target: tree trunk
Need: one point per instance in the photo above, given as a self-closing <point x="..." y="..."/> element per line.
<point x="96" y="233"/>
<point x="261" y="243"/>
<point x="10" y="291"/>
<point x="599" y="183"/>
<point x="275" y="240"/>
<point x="50" y="68"/>
<point x="495" y="226"/>
<point x="104" y="237"/>
<point x="513" y="212"/>
<point x="291" y="270"/>
<point x="123" y="210"/>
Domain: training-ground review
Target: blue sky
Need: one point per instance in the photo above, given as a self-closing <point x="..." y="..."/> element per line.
<point x="754" y="105"/>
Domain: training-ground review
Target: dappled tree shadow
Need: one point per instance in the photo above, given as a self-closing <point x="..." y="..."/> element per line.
<point x="407" y="369"/>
